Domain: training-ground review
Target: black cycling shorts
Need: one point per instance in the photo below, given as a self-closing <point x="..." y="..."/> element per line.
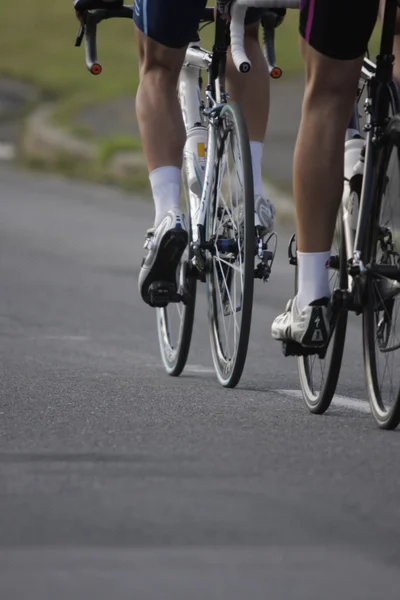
<point x="338" y="29"/>
<point x="174" y="23"/>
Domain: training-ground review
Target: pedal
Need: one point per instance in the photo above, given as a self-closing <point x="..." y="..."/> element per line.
<point x="161" y="293"/>
<point x="294" y="349"/>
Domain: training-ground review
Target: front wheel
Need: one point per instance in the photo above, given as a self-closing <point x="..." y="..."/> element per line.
<point x="231" y="234"/>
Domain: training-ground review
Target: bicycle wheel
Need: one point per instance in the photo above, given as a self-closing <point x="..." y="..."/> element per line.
<point x="231" y="235"/>
<point x="319" y="374"/>
<point x="382" y="295"/>
<point x="175" y="321"/>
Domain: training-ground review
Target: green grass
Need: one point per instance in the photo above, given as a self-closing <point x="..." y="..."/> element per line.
<point x="37" y="45"/>
<point x="114" y="144"/>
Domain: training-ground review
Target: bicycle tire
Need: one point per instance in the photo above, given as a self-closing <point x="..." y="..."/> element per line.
<point x="229" y="369"/>
<point x="174" y="356"/>
<point x="386" y="418"/>
<point x="318" y="401"/>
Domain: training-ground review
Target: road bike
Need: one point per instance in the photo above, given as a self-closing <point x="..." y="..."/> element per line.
<point x="365" y="258"/>
<point x="226" y="250"/>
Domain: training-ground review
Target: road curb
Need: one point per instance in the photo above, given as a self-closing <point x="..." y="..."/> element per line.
<point x="46" y="145"/>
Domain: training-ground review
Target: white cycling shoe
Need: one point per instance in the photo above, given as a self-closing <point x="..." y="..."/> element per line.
<point x="165" y="245"/>
<point x="309" y="328"/>
<point x="264" y="214"/>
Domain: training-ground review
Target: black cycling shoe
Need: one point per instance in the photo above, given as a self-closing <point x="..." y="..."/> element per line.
<point x="166" y="245"/>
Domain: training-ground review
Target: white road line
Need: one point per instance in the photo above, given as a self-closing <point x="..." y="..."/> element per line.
<point x="67" y="338"/>
<point x="199" y="369"/>
<point x="7" y="151"/>
<point x="345" y="401"/>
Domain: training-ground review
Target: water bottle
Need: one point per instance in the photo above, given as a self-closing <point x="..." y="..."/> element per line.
<point x="353" y="169"/>
<point x="195" y="158"/>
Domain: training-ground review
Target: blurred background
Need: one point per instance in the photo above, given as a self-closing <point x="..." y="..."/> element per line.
<point x="39" y="65"/>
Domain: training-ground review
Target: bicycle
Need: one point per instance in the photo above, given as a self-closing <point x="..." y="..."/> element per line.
<point x="225" y="250"/>
<point x="365" y="259"/>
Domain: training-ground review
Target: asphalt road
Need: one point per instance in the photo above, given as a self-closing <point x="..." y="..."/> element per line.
<point x="119" y="482"/>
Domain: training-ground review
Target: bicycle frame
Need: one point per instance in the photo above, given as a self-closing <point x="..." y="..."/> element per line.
<point x="195" y="112"/>
<point x="380" y="90"/>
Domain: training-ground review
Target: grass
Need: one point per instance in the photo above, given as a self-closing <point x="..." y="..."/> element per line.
<point x="37" y="45"/>
<point x="119" y="143"/>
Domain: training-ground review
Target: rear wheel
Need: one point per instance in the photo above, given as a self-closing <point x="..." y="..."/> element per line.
<point x="319" y="375"/>
<point x="175" y="321"/>
<point x="230" y="231"/>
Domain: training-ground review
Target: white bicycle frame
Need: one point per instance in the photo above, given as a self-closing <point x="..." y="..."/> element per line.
<point x="196" y="60"/>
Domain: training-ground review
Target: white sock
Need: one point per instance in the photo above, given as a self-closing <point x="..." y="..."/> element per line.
<point x="166" y="187"/>
<point x="256" y="149"/>
<point x="313" y="277"/>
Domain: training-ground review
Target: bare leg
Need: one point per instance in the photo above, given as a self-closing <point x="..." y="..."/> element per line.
<point x="157" y="107"/>
<point x="160" y="121"/>
<point x="327" y="106"/>
<point x="163" y="138"/>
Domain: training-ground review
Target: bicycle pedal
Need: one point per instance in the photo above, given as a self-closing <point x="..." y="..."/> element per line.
<point x="295" y="349"/>
<point x="161" y="293"/>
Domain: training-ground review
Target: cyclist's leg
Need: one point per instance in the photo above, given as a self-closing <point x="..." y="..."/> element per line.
<point x="334" y="41"/>
<point x="163" y="31"/>
<point x="157" y="106"/>
<point x="163" y="28"/>
<point x="251" y="92"/>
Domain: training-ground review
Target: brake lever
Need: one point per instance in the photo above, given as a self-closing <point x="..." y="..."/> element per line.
<point x="80" y="36"/>
<point x="270" y="21"/>
<point x="88" y="30"/>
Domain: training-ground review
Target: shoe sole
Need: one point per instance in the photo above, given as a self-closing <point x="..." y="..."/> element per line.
<point x="169" y="254"/>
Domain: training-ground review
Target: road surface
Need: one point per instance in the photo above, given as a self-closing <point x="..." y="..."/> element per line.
<point x="119" y="482"/>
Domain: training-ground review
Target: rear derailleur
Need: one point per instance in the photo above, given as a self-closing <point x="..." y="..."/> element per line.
<point x="266" y="255"/>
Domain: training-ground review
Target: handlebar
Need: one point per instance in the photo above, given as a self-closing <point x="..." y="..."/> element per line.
<point x="269" y="22"/>
<point x="88" y="32"/>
